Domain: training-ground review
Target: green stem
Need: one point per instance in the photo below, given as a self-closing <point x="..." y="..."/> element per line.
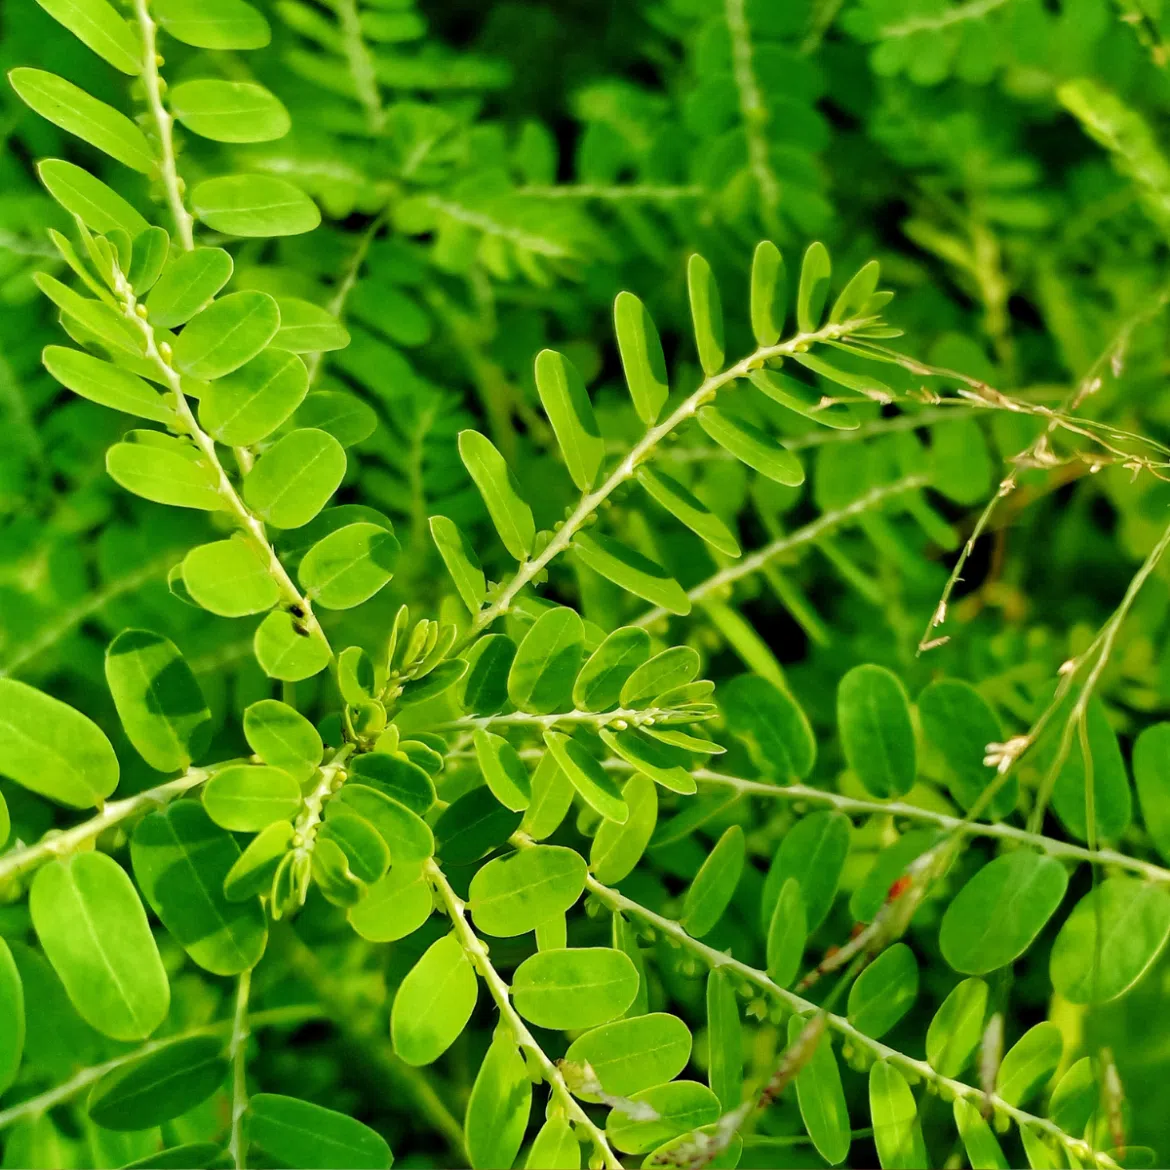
<point x="918" y="1069"/>
<point x="476" y="951"/>
<point x="238" y="1055"/>
<point x="624" y="716"/>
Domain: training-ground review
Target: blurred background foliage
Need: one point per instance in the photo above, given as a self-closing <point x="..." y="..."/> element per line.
<point x="490" y="174"/>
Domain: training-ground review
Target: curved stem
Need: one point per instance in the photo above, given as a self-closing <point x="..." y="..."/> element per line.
<point x="238" y="1054"/>
<point x="58" y="844"/>
<point x="475" y="950"/>
<point x="51" y="1098"/>
<point x="811" y="532"/>
<point x="637" y="455"/>
<point x="919" y="1069"/>
<point x="625" y="716"/>
<point x="163" y="124"/>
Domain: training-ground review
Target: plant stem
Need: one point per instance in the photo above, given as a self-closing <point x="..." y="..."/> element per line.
<point x="817" y="528"/>
<point x="163" y="124"/>
<point x="918" y="1069"/>
<point x="51" y="1098"/>
<point x="630" y="716"/>
<point x="238" y="1054"/>
<point x="637" y="455"/>
<point x="58" y="844"/>
<point x="361" y="65"/>
<point x="476" y="951"/>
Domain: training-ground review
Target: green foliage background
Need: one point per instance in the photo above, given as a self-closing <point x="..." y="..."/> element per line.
<point x="908" y="554"/>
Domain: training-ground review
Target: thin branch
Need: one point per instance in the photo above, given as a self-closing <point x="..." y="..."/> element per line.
<point x="163" y="124"/>
<point x="918" y="1069"/>
<point x="238" y="1055"/>
<point x="622" y="717"/>
<point x="975" y="10"/>
<point x="361" y="65"/>
<point x="630" y="192"/>
<point x="637" y="455"/>
<point x="59" y="843"/>
<point x="810" y="533"/>
<point x="477" y="953"/>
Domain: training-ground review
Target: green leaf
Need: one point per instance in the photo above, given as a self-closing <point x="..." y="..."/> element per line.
<point x="229" y="332"/>
<point x="248" y="797"/>
<point x="94" y="932"/>
<point x="332" y="875"/>
<point x="652" y="677"/>
<point x="547" y="662"/>
<point x="855" y="295"/>
<point x="617" y="848"/>
<point x="461" y="562"/>
<point x="308" y="328"/>
<point x="1110" y="940"/>
<point x="295" y="478"/>
<point x="515" y="894"/>
<point x="349" y="566"/>
<point x="885" y="991"/>
<point x="159" y="1087"/>
<point x="714" y="885"/>
<point x="158" y="699"/>
<point x="957" y="1027"/>
<point x="497" y="485"/>
<point x="552" y="796"/>
<point x="772" y="726"/>
<point x="597" y="788"/>
<point x="434" y="1003"/>
<point x="252" y="873"/>
<point x="642" y="359"/>
<point x="958" y="721"/>
<point x="688" y="509"/>
<point x="813" y="852"/>
<point x="164" y="469"/>
<point x="106" y="384"/>
<point x="821" y="1097"/>
<point x="566" y="402"/>
<point x="498" y="1108"/>
<point x="50" y="749"/>
<point x="248" y="404"/>
<point x="787" y="934"/>
<point x="287" y="653"/>
<point x="360" y="841"/>
<point x="475" y="824"/>
<point x="1029" y="1063"/>
<point x="769" y="293"/>
<point x="599" y="683"/>
<point x="1151" y="773"/>
<point x="96" y="205"/>
<point x="12" y="1027"/>
<point x="151" y="249"/>
<point x="483" y="690"/>
<point x="98" y="25"/>
<point x="983" y="1151"/>
<point x="865" y="384"/>
<point x="299" y="1133"/>
<point x="189" y="1156"/>
<point x="230" y="577"/>
<point x="873" y="714"/>
<point x="555" y="1147"/>
<point x="215" y="24"/>
<point x="76" y="112"/>
<point x="724" y="1041"/>
<point x="998" y="913"/>
<point x="631" y="570"/>
<point x="395" y="906"/>
<point x="407" y="835"/>
<point x="813" y="290"/>
<point x="109" y="326"/>
<point x="187" y="285"/>
<point x="634" y="1053"/>
<point x="681" y="1107"/>
<point x="254" y="205"/>
<point x="897" y="1132"/>
<point x="1112" y="800"/>
<point x="229" y="111"/>
<point x="347" y="418"/>
<point x="706" y="313"/>
<point x="804" y="400"/>
<point x="503" y="770"/>
<point x="398" y="778"/>
<point x="890" y="864"/>
<point x="574" y="988"/>
<point x="752" y="446"/>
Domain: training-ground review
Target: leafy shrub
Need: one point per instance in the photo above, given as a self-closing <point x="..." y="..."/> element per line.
<point x="423" y="724"/>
